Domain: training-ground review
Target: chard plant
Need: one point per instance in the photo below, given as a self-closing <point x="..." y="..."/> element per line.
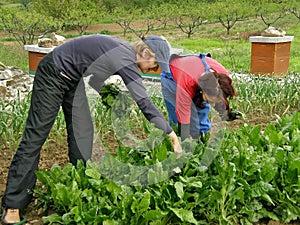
<point x="253" y="176"/>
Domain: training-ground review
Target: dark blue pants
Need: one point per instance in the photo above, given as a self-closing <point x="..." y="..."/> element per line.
<point x="50" y="92"/>
<point x="199" y="122"/>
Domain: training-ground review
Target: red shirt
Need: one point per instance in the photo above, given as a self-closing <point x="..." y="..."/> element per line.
<point x="186" y="72"/>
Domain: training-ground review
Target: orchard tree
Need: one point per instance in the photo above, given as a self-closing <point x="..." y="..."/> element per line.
<point x="76" y="14"/>
<point x="123" y="18"/>
<point x="81" y="14"/>
<point x="144" y="23"/>
<point x="164" y="13"/>
<point x="293" y="6"/>
<point x="25" y="3"/>
<point x="269" y="11"/>
<point x="128" y="4"/>
<point x="295" y="11"/>
<point x="137" y="20"/>
<point x="190" y="16"/>
<point x="110" y="5"/>
<point x="229" y="12"/>
<point x="25" y="25"/>
<point x="51" y="8"/>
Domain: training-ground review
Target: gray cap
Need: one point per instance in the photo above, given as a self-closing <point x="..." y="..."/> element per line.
<point x="161" y="49"/>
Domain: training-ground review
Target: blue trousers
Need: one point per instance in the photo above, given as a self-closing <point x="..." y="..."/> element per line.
<point x="199" y="122"/>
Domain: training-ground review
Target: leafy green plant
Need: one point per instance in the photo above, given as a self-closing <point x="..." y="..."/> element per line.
<point x="13" y="118"/>
<point x="266" y="95"/>
<point x="254" y="176"/>
<point x="108" y="94"/>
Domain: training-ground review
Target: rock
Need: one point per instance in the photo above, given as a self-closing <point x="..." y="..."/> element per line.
<point x="273" y="32"/>
<point x="5" y="74"/>
<point x="57" y="39"/>
<point x="3" y="89"/>
<point x="45" y="43"/>
<point x="14" y="83"/>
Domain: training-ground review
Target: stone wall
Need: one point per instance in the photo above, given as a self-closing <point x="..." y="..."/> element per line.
<point x="14" y="83"/>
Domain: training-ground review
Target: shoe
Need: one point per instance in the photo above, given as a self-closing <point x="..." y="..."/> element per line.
<point x="12" y="217"/>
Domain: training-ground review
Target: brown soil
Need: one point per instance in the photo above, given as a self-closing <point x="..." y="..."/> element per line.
<point x="51" y="154"/>
<point x="56" y="153"/>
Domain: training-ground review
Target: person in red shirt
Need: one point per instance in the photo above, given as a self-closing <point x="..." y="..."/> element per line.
<point x="191" y="84"/>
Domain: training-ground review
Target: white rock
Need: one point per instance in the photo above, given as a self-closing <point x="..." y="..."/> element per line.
<point x="45" y="43"/>
<point x="273" y="32"/>
<point x="57" y="39"/>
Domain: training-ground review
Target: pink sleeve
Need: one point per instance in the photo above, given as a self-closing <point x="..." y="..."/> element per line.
<point x="183" y="105"/>
<point x="216" y="66"/>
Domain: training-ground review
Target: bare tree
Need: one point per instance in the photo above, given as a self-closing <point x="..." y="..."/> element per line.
<point x="142" y="27"/>
<point x="123" y="18"/>
<point x="269" y="11"/>
<point x="295" y="12"/>
<point x="189" y="17"/>
<point x="229" y="12"/>
<point x="293" y="6"/>
<point x="164" y="14"/>
<point x="136" y="20"/>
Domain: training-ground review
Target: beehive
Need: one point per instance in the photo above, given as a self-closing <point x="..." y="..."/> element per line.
<point x="270" y="55"/>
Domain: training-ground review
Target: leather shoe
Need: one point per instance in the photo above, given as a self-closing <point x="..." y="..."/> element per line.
<point x="12" y="217"/>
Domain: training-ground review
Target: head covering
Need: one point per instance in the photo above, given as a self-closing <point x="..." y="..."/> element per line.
<point x="209" y="84"/>
<point x="161" y="49"/>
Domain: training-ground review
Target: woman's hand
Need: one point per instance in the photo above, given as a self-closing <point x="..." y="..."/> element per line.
<point x="176" y="144"/>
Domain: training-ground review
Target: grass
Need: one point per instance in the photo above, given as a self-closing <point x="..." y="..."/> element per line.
<point x="234" y="55"/>
<point x="14" y="55"/>
<point x="233" y="51"/>
<point x="295" y="48"/>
